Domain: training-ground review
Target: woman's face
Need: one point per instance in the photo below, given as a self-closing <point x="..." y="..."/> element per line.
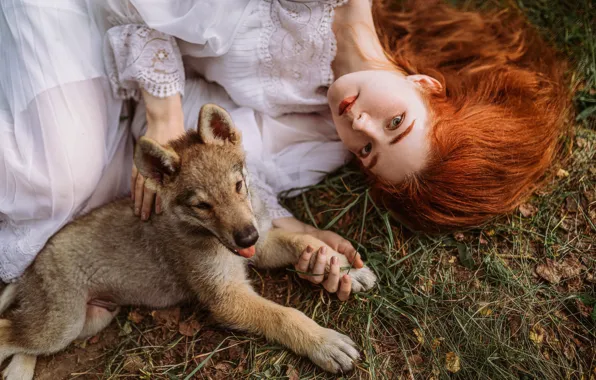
<point x="381" y="117"/>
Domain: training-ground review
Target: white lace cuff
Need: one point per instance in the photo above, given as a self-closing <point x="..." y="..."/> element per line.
<point x="140" y="57"/>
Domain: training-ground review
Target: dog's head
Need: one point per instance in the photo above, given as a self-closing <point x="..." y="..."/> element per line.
<point x="201" y="179"/>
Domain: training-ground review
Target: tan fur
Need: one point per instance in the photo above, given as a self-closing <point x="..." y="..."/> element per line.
<point x="185" y="253"/>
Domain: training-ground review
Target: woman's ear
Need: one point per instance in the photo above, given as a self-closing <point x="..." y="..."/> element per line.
<point x="426" y="83"/>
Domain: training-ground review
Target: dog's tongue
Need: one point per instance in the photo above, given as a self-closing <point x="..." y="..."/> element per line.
<point x="247" y="252"/>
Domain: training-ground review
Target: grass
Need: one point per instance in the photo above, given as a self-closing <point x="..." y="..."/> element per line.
<point x="465" y="305"/>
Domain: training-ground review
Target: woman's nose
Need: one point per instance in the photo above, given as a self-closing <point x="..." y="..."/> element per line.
<point x="361" y="122"/>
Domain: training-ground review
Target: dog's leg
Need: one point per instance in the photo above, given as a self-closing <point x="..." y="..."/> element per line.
<point x="21" y="367"/>
<point x="96" y="319"/>
<point x="281" y="248"/>
<point x="240" y="307"/>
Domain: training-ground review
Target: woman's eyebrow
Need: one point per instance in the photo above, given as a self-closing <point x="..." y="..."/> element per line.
<point x="399" y="137"/>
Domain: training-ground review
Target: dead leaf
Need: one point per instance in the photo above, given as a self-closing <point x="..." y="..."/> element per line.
<point x="416" y="360"/>
<point x="292" y="373"/>
<point x="94" y="339"/>
<point x="570" y="267"/>
<point x="514" y="325"/>
<point x="483" y="241"/>
<point x="537" y="334"/>
<point x="126" y="329"/>
<point x="571" y="204"/>
<point x="584" y="309"/>
<point x="549" y="271"/>
<point x="168" y="317"/>
<point x="562" y="173"/>
<point x="133" y="364"/>
<point x="419" y="336"/>
<point x="452" y="259"/>
<point x="436" y="343"/>
<point x="189" y="327"/>
<point x="459" y="236"/>
<point x="452" y="362"/>
<point x="135" y="317"/>
<point x="485" y="311"/>
<point x="527" y="210"/>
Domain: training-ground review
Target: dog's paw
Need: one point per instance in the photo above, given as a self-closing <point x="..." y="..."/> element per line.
<point x="335" y="352"/>
<point x="362" y="279"/>
<point x="21" y="367"/>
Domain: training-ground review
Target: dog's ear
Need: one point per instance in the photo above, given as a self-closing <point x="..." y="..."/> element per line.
<point x="216" y="125"/>
<point x="155" y="161"/>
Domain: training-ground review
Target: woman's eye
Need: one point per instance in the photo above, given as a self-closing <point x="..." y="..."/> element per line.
<point x="239" y="186"/>
<point x="396" y="122"/>
<point x="365" y="151"/>
<point x="203" y="206"/>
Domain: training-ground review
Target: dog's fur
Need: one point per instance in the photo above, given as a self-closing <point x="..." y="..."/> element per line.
<point x="189" y="252"/>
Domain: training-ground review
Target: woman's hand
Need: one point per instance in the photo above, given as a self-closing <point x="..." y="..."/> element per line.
<point x="165" y="122"/>
<point x="315" y="271"/>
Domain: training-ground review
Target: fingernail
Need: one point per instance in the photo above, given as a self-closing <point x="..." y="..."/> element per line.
<point x="333" y="260"/>
<point x="137" y="211"/>
<point x="144" y="216"/>
<point x="345" y="278"/>
<point x="308" y="249"/>
<point x="323" y="250"/>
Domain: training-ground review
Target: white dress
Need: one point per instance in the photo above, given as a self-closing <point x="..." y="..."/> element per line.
<point x="67" y="65"/>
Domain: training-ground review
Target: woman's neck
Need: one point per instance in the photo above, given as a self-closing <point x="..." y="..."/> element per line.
<point x="358" y="46"/>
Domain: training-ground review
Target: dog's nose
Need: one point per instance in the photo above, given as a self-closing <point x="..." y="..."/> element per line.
<point x="247" y="237"/>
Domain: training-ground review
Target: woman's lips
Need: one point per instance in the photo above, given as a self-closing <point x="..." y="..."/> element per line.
<point x="346" y="104"/>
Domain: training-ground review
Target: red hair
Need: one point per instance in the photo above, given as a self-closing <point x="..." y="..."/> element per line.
<point x="496" y="125"/>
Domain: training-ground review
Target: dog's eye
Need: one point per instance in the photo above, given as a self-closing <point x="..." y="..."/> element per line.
<point x="239" y="185"/>
<point x="204" y="206"/>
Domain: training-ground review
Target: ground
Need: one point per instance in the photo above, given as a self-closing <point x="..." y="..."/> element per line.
<point x="514" y="299"/>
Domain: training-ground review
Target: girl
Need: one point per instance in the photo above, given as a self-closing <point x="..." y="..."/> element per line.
<point x="454" y="115"/>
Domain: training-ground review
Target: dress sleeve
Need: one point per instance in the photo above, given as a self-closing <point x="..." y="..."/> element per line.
<point x="140" y="57"/>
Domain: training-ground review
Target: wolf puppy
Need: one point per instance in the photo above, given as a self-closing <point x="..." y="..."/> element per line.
<point x="197" y="249"/>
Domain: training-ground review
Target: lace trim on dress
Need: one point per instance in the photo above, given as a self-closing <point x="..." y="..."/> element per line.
<point x="140" y="57"/>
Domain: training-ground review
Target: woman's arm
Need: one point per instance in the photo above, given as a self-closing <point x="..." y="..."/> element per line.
<point x="165" y="122"/>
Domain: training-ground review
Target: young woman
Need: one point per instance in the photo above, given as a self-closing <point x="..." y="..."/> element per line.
<point x="455" y="115"/>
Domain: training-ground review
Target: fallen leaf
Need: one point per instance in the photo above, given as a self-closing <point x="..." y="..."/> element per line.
<point x="459" y="236"/>
<point x="527" y="210"/>
<point x="168" y="317"/>
<point x="94" y="339"/>
<point x="419" y="336"/>
<point x="133" y="364"/>
<point x="562" y="173"/>
<point x="483" y="241"/>
<point x="549" y="271"/>
<point x="514" y="324"/>
<point x="126" y="329"/>
<point x="189" y="327"/>
<point x="436" y="343"/>
<point x="452" y="362"/>
<point x="416" y="360"/>
<point x="584" y="309"/>
<point x="570" y="267"/>
<point x="465" y="256"/>
<point x="135" y="317"/>
<point x="292" y="373"/>
<point x="452" y="259"/>
<point x="571" y="204"/>
<point x="537" y="334"/>
<point x="485" y="311"/>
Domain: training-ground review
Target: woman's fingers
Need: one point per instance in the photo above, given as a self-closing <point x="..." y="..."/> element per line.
<point x="133" y="181"/>
<point x="148" y="198"/>
<point x="138" y="189"/>
<point x="303" y="263"/>
<point x="331" y="284"/>
<point x="345" y="288"/>
<point x="318" y="270"/>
